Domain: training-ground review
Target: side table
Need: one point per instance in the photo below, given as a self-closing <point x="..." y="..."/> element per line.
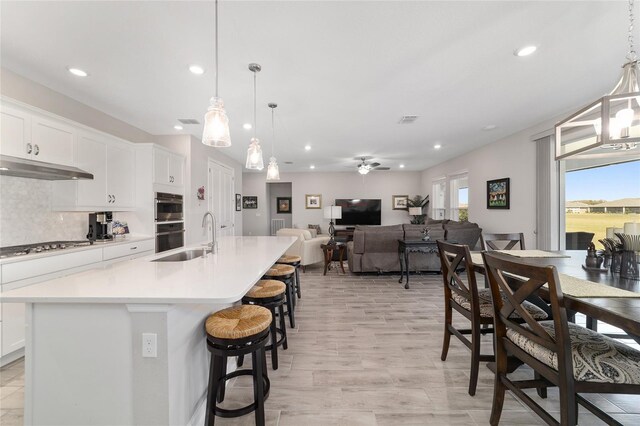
<point x="328" y="250"/>
<point x="413" y="246"/>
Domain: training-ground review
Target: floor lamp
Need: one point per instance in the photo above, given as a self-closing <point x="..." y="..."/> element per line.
<point x="331" y="213"/>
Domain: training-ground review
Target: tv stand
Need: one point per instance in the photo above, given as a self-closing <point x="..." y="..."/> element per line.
<point x="347" y="232"/>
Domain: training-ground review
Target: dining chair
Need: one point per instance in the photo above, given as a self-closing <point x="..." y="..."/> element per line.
<point x="496" y="241"/>
<point x="573" y="358"/>
<point x="468" y="300"/>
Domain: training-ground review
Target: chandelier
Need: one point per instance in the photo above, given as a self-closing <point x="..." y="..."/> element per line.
<point x="611" y="123"/>
<point x="273" y="173"/>
<point x="254" y="152"/>
<point x="216" y="122"/>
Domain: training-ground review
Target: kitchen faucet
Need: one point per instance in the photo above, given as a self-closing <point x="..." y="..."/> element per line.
<point x="214" y="243"/>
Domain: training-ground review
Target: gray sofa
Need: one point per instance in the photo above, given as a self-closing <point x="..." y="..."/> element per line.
<point x="375" y="248"/>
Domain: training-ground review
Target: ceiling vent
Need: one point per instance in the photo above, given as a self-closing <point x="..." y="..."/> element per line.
<point x="288" y="162"/>
<point x="188" y="121"/>
<point x="406" y="119"/>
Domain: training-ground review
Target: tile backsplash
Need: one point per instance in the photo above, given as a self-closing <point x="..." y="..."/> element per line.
<point x="26" y="216"/>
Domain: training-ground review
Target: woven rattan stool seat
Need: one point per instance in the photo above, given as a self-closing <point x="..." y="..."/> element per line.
<point x="280" y="270"/>
<point x="289" y="259"/>
<point x="238" y="322"/>
<point x="267" y="288"/>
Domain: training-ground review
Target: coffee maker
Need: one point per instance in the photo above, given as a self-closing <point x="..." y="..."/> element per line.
<point x="100" y="227"/>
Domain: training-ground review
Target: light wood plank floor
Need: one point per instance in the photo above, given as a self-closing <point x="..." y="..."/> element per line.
<point x="367" y="352"/>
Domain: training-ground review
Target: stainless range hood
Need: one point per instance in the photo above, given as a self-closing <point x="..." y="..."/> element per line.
<point x="21" y="167"/>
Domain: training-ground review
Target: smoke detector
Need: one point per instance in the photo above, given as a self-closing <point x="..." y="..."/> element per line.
<point x="406" y="119"/>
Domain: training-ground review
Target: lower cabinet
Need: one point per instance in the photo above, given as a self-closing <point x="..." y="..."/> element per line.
<point x="28" y="272"/>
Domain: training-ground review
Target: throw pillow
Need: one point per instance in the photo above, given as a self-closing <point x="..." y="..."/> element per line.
<point x="317" y="228"/>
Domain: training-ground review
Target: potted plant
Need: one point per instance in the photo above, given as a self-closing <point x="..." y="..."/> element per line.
<point x="417" y="206"/>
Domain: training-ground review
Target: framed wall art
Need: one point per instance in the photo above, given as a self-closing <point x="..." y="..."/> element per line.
<point x="283" y="204"/>
<point x="313" y="201"/>
<point x="498" y="194"/>
<point x="238" y="202"/>
<point x="250" y="202"/>
<point x="399" y="202"/>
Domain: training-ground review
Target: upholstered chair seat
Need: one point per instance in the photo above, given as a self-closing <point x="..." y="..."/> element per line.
<point x="486" y="308"/>
<point x="596" y="358"/>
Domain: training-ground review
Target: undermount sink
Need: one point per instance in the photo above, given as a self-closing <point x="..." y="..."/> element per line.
<point x="184" y="255"/>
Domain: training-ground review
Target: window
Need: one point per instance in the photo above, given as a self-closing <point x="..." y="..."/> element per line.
<point x="597" y="197"/>
<point x="459" y="198"/>
<point x="439" y="194"/>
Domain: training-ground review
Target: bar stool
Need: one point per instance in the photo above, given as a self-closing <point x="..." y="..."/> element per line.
<point x="237" y="331"/>
<point x="285" y="273"/>
<point x="294" y="261"/>
<point x="270" y="294"/>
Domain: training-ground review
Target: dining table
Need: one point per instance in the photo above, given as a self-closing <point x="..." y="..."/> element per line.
<point x="620" y="309"/>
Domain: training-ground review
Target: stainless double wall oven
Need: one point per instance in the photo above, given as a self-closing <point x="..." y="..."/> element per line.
<point x="169" y="221"/>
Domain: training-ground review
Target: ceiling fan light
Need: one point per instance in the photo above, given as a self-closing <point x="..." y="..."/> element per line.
<point x="363" y="169"/>
<point x="273" y="173"/>
<point x="254" y="155"/>
<point x="216" y="125"/>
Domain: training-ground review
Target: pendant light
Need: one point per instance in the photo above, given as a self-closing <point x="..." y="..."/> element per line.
<point x="216" y="122"/>
<point x="254" y="153"/>
<point x="272" y="170"/>
<point x="612" y="122"/>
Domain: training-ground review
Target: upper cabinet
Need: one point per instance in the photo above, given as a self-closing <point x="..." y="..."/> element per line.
<point x="27" y="134"/>
<point x="15" y="132"/>
<point x="112" y="164"/>
<point x="168" y="167"/>
<point x="52" y="141"/>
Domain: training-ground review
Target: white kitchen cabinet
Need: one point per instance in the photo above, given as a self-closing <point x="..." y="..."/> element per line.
<point x="52" y="140"/>
<point x="129" y="250"/>
<point x="91" y="157"/>
<point x="33" y="135"/>
<point x="168" y="167"/>
<point x="13" y="327"/>
<point x="112" y="164"/>
<point x="120" y="175"/>
<point x="15" y="132"/>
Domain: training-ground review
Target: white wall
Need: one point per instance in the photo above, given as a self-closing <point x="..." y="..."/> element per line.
<point x="332" y="185"/>
<point x="279" y="189"/>
<point x="513" y="157"/>
<point x="32" y="93"/>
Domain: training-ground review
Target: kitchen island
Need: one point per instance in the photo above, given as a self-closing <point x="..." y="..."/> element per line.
<point x="84" y="357"/>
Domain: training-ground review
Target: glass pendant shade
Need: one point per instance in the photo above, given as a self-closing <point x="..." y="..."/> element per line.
<point x="216" y="125"/>
<point x="254" y="155"/>
<point x="610" y="124"/>
<point x="273" y="173"/>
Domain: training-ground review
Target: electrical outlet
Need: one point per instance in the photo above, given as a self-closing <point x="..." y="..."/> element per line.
<point x="149" y="345"/>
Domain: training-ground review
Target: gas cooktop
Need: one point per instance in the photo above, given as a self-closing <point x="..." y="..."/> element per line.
<point x="49" y="246"/>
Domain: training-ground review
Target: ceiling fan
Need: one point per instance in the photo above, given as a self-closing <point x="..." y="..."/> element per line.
<point x="364" y="167"/>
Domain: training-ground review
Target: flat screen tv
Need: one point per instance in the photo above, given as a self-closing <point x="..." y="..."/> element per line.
<point x="359" y="211"/>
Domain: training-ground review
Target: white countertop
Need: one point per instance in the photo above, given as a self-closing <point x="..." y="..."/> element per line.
<point x="224" y="277"/>
<point x="97" y="245"/>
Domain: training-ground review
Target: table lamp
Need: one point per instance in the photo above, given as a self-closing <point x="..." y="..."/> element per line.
<point x="331" y="213"/>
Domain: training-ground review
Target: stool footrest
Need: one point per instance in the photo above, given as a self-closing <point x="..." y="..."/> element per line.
<point x="237" y="412"/>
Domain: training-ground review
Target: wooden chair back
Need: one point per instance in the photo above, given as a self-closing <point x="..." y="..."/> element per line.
<point x="489" y="241"/>
<point x="453" y="258"/>
<point x="517" y="281"/>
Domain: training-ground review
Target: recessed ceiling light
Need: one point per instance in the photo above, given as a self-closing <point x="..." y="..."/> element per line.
<point x="4" y="169"/>
<point x="307" y="148"/>
<point x="312" y="167"/>
<point x="178" y="127"/>
<point x="489" y="127"/>
<point x="525" y="51"/>
<point x="196" y="69"/>
<point x="437" y="146"/>
<point x="402" y="166"/>
<point x="247" y="126"/>
<point x="78" y="72"/>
